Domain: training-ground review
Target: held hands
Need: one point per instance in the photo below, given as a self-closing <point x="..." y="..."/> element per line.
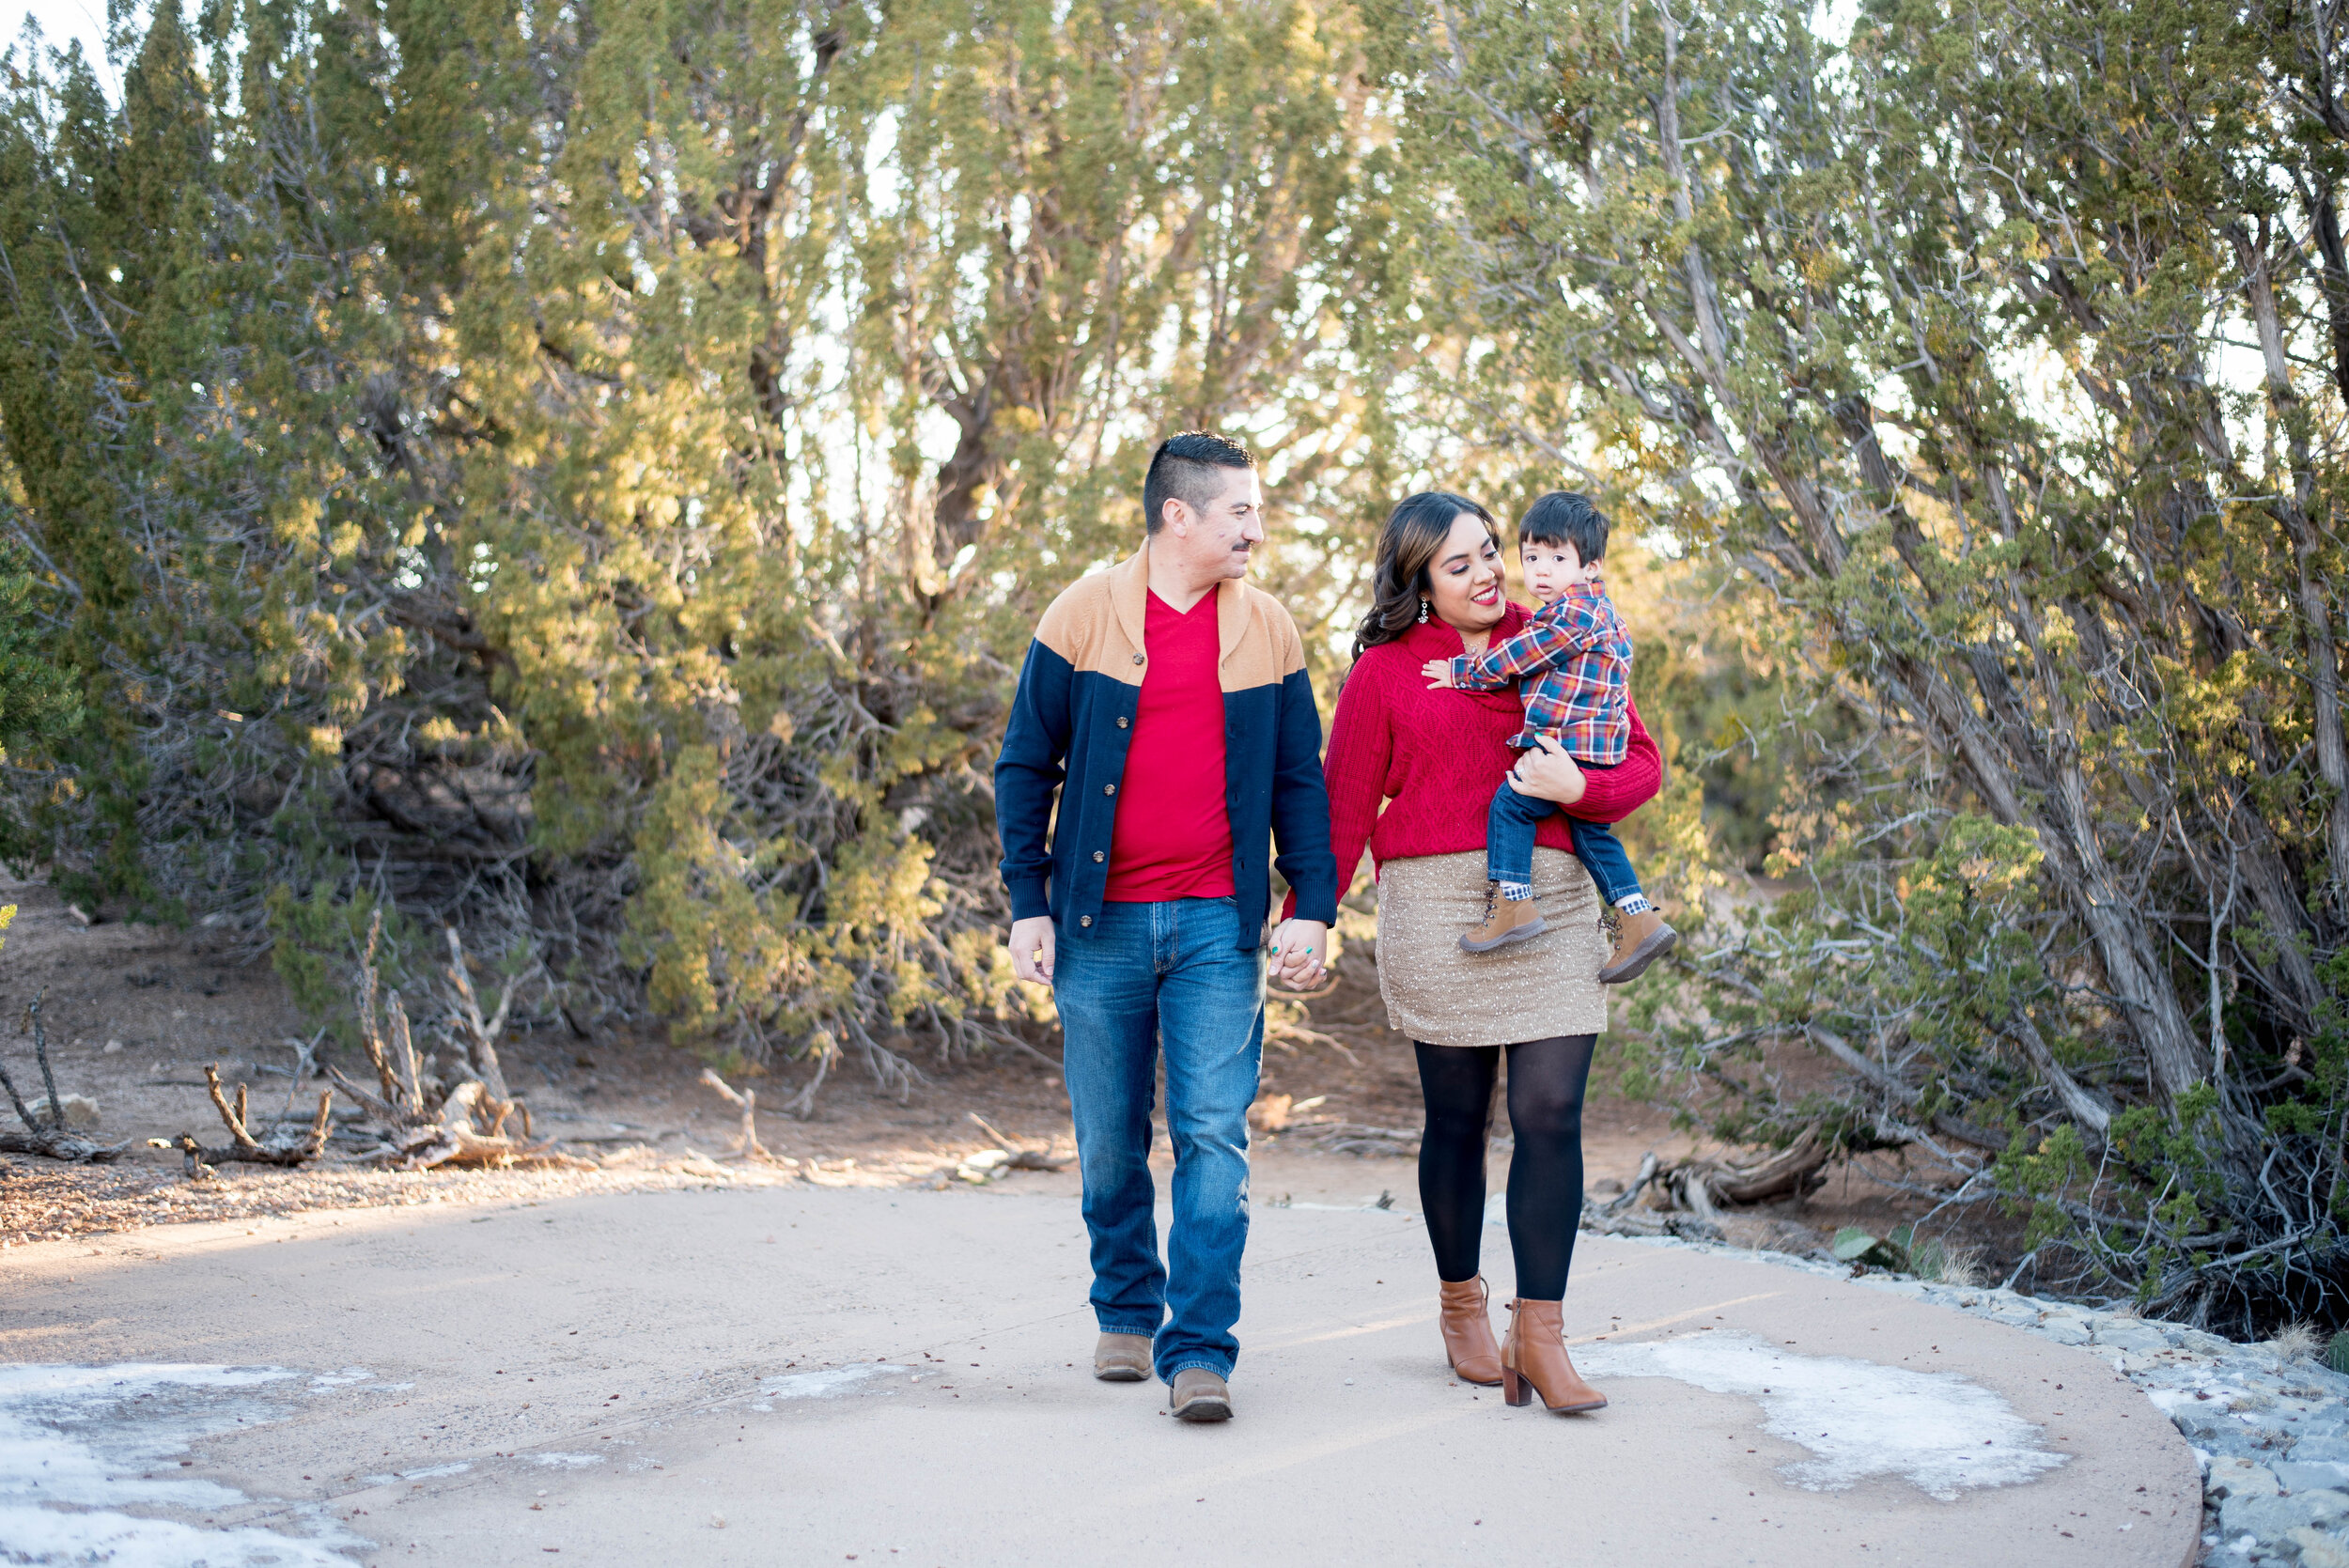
<point x="1300" y="950"/>
<point x="1439" y="674"/>
<point x="1031" y="949"/>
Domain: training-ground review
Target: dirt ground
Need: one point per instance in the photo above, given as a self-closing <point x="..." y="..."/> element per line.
<point x="133" y="1013"/>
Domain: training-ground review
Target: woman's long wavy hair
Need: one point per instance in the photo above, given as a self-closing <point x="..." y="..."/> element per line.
<point x="1415" y="529"/>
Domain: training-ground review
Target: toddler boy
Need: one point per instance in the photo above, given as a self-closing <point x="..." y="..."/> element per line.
<point x="1572" y="666"/>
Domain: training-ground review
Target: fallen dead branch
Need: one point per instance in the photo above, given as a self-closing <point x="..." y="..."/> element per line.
<point x="1288" y="1033"/>
<point x="1704" y="1186"/>
<point x="1685" y="1197"/>
<point x="242" y="1146"/>
<point x="992" y="1165"/>
<point x="47" y="1134"/>
<point x="746" y="1144"/>
<point x="1621" y="1215"/>
<point x="1020" y="1157"/>
<point x="422" y="1120"/>
<point x="1336" y="1137"/>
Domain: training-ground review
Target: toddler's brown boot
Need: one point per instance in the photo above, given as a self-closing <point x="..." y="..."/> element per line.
<point x="1640" y="940"/>
<point x="1506" y="921"/>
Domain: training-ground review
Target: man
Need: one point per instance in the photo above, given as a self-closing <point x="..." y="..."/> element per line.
<point x="1167" y="703"/>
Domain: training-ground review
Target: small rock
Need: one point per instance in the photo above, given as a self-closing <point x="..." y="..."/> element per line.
<point x="2270" y="1518"/>
<point x="2318" y="1549"/>
<point x="2209" y="1423"/>
<point x="112" y="1048"/>
<point x="2303" y="1476"/>
<point x="79" y="1110"/>
<point x="2240" y="1477"/>
<point x="2064" y="1332"/>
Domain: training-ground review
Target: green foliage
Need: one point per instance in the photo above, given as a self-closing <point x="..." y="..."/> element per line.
<point x="585" y="473"/>
<point x="1920" y="340"/>
<point x="1852" y="1245"/>
<point x="588" y="473"/>
<point x="37" y="703"/>
<point x="1903" y="1250"/>
<point x="314" y="946"/>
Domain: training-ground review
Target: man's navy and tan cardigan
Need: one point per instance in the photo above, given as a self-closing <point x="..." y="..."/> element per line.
<point x="1073" y="720"/>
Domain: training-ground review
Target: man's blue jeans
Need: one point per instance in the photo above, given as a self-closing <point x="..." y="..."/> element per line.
<point x="1146" y="976"/>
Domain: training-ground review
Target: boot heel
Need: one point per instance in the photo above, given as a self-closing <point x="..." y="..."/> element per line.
<point x="1513" y="1387"/>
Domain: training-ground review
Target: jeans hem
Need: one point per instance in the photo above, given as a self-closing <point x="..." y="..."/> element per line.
<point x="1138" y="1330"/>
<point x="1222" y="1369"/>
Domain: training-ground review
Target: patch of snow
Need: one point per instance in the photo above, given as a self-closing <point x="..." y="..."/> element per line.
<point x="80" y="1445"/>
<point x="326" y="1380"/>
<point x="825" y="1382"/>
<point x="434" y="1472"/>
<point x="567" y="1461"/>
<point x="1940" y="1432"/>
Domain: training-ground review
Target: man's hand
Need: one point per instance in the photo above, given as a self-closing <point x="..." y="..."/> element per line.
<point x="1437" y="671"/>
<point x="1548" y="774"/>
<point x="1031" y="948"/>
<point x="1300" y="951"/>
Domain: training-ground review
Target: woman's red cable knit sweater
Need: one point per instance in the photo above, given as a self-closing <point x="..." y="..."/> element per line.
<point x="1432" y="757"/>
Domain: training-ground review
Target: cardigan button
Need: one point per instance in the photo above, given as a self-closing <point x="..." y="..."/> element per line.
<point x="1121" y="724"/>
<point x="1136" y="659"/>
<point x="1098" y="856"/>
<point x="1084" y="920"/>
<point x="1108" y="789"/>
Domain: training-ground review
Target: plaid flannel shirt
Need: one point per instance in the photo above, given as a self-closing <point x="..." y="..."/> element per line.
<point x="1572" y="666"/>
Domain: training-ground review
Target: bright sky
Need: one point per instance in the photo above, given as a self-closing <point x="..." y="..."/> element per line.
<point x="61" y="20"/>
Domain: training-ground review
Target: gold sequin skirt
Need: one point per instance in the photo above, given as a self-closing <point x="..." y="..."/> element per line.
<point x="1529" y="990"/>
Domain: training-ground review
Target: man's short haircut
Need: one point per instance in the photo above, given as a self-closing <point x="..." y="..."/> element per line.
<point x="1562" y="518"/>
<point x="1183" y="469"/>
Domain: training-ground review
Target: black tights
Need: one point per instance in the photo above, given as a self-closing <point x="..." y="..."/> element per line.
<point x="1546" y="1083"/>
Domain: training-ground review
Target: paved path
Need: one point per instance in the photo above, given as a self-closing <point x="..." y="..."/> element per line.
<point x="792" y="1376"/>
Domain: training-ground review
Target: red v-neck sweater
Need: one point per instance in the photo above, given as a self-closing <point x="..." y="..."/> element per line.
<point x="1432" y="758"/>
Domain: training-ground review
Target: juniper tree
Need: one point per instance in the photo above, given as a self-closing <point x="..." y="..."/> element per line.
<point x="585" y="472"/>
<point x="1934" y="334"/>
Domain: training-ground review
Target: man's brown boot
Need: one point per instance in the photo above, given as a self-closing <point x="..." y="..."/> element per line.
<point x="1122" y="1358"/>
<point x="1534" y="1361"/>
<point x="1199" y="1395"/>
<point x="1506" y="921"/>
<point x="1640" y="940"/>
<point x="1468" y="1331"/>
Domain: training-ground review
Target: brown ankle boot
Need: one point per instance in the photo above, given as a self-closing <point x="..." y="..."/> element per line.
<point x="1506" y="921"/>
<point x="1640" y="940"/>
<point x="1534" y="1361"/>
<point x="1468" y="1332"/>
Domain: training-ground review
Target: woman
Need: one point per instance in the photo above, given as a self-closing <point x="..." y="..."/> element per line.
<point x="1431" y="759"/>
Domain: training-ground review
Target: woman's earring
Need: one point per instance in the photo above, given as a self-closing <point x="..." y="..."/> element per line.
<point x="1423" y="612"/>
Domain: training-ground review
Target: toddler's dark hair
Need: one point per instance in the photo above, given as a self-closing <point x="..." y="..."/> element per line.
<point x="1562" y="517"/>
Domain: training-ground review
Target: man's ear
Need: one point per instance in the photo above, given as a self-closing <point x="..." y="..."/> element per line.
<point x="1175" y="517"/>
